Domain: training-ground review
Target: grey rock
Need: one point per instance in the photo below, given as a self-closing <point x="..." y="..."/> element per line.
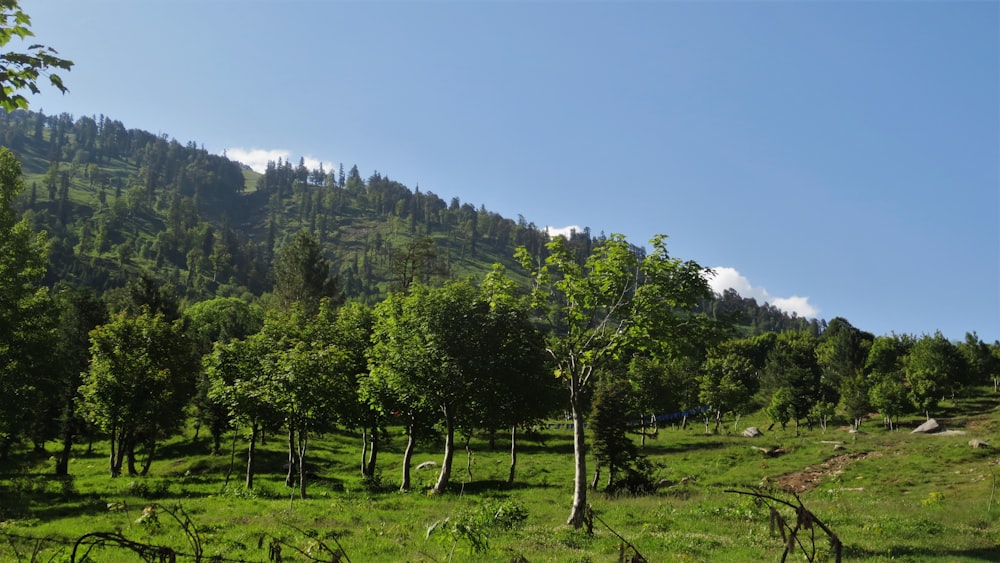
<point x="927" y="428"/>
<point x="752" y="432"/>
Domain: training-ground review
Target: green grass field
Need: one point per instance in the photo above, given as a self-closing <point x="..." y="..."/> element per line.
<point x="889" y="496"/>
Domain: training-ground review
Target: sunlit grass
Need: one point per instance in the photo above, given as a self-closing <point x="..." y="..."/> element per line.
<point x="897" y="497"/>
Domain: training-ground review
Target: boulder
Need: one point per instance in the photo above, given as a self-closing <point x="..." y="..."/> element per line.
<point x="927" y="428"/>
<point x="752" y="432"/>
<point x="979" y="444"/>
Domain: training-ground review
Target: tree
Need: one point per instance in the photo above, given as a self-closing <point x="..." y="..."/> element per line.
<point x="242" y="377"/>
<point x="352" y="334"/>
<point x="933" y="366"/>
<point x="416" y="261"/>
<point x="24" y="306"/>
<point x="792" y="366"/>
<point x="889" y="397"/>
<point x="609" y="421"/>
<point x="726" y="385"/>
<point x="22" y="71"/>
<point x="983" y="365"/>
<point x="142" y="373"/>
<point x="429" y="350"/>
<point x="222" y="320"/>
<point x="517" y="389"/>
<point x="841" y="352"/>
<point x="316" y="382"/>
<point x="885" y="373"/>
<point x="80" y="311"/>
<point x="612" y="301"/>
<point x="302" y="274"/>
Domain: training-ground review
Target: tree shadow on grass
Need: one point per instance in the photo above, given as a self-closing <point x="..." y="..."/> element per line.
<point x="854" y="553"/>
<point x="664" y="448"/>
<point x="487" y="486"/>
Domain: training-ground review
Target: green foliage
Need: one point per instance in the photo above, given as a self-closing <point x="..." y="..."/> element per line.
<point x="473" y="526"/>
<point x="302" y="274"/>
<point x="140" y="379"/>
<point x="22" y="70"/>
<point x="603" y="305"/>
<point x="933" y="367"/>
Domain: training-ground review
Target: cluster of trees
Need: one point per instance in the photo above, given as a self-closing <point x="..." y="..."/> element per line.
<point x="619" y="327"/>
<point x="758" y="318"/>
<point x="801" y="377"/>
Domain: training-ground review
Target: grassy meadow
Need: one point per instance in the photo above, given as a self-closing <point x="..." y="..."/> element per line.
<point x="888" y="495"/>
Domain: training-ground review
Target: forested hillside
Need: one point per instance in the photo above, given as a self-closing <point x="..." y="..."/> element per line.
<point x="117" y="201"/>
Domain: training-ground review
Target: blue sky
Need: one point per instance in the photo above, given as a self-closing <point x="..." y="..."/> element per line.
<point x="834" y="158"/>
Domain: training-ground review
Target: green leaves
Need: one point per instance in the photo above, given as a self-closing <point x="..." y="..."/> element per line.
<point x="616" y="297"/>
<point x="21" y="71"/>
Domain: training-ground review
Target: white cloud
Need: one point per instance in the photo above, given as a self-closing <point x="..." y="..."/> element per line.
<point x="729" y="278"/>
<point x="257" y="159"/>
<point x="564" y="231"/>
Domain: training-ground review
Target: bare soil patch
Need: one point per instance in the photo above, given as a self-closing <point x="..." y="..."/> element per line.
<point x="810" y="477"/>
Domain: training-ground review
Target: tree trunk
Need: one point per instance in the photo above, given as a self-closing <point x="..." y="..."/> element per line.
<point x="150" y="448"/>
<point x="411" y="442"/>
<point x="468" y="456"/>
<point x="449" y="452"/>
<point x="364" y="451"/>
<point x="217" y="429"/>
<point x="254" y="432"/>
<point x="513" y="454"/>
<point x="290" y="476"/>
<point x="115" y="446"/>
<point x="130" y="456"/>
<point x="303" y="445"/>
<point x="62" y="461"/>
<point x="373" y="453"/>
<point x="232" y="458"/>
<point x="579" y="510"/>
<point x="597" y="476"/>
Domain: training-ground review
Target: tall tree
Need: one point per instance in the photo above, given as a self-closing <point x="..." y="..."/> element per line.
<point x="142" y="373"/>
<point x="517" y="389"/>
<point x="886" y="376"/>
<point x="792" y="366"/>
<point x="80" y="311"/>
<point x="242" y="376"/>
<point x="934" y="367"/>
<point x="221" y="320"/>
<point x="429" y="349"/>
<point x="614" y="300"/>
<point x="24" y="305"/>
<point x="302" y="274"/>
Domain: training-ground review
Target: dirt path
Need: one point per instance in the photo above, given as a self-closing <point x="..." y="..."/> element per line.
<point x="810" y="477"/>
